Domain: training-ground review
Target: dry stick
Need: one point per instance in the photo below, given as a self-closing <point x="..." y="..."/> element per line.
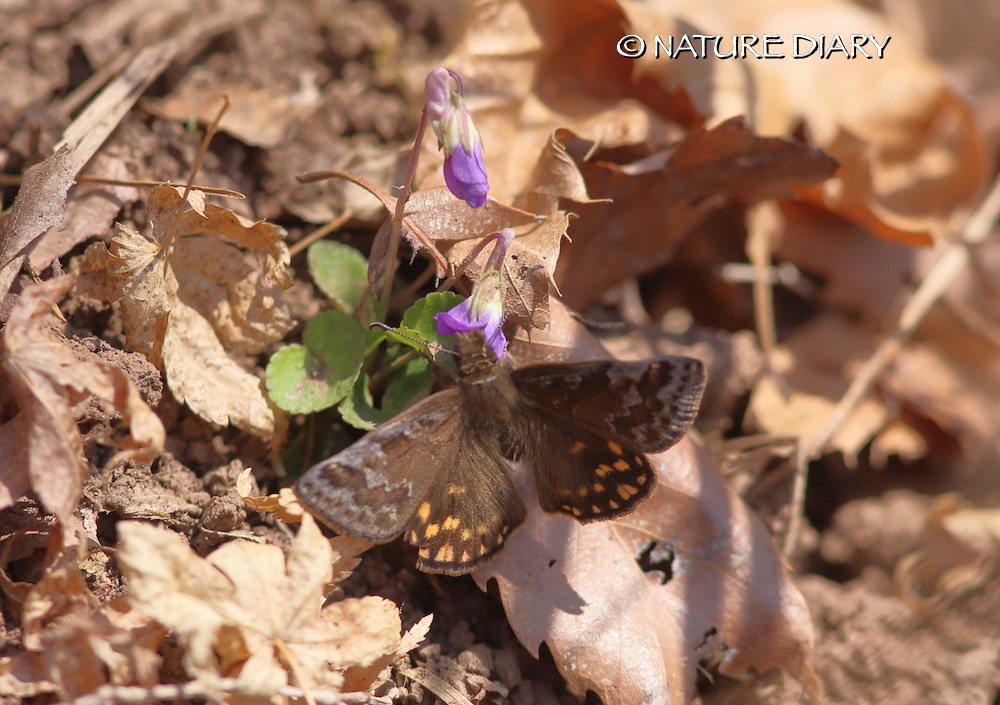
<point x="199" y="156"/>
<point x="951" y="262"/>
<point x="204" y="690"/>
<point x="99" y="78"/>
<point x="762" y="220"/>
<point x="210" y="190"/>
<point x="320" y="232"/>
<point x="16" y="179"/>
<point x="195" y="167"/>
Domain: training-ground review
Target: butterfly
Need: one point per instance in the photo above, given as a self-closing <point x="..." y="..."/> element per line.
<point x="438" y="472"/>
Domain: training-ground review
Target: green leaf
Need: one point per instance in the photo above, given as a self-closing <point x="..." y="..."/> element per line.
<point x="303" y="379"/>
<point x="404" y="386"/>
<point x="340" y="271"/>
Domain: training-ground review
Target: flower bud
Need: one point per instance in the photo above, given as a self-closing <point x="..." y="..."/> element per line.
<point x="464" y="167"/>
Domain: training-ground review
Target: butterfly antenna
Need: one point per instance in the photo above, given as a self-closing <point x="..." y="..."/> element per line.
<point x="434" y="347"/>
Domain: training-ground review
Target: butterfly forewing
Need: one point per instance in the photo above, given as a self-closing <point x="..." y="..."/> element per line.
<point x="646" y="405"/>
<point x="373" y="488"/>
<point x="428" y="474"/>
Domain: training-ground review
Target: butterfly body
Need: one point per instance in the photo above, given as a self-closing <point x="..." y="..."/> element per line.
<point x="438" y="473"/>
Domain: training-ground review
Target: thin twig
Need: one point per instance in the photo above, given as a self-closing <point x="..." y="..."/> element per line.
<point x="320" y="232"/>
<point x="762" y="220"/>
<point x="204" y="690"/>
<point x="952" y="260"/>
<point x="16" y="179"/>
<point x="199" y="156"/>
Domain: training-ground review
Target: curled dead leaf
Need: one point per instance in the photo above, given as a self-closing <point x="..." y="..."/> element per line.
<point x="40" y="204"/>
<point x="284" y="505"/>
<point x="48" y="380"/>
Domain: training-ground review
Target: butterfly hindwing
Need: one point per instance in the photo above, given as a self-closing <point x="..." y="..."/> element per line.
<point x="646" y="405"/>
<point x="468" y="514"/>
<point x="583" y="475"/>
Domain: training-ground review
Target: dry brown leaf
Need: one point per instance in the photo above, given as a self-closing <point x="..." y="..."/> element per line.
<point x="659" y="198"/>
<point x="169" y="583"/>
<point x="72" y="643"/>
<point x="24" y="676"/>
<point x="815" y="368"/>
<point x="959" y="553"/>
<point x="258" y="116"/>
<point x="204" y="282"/>
<point x="957" y="392"/>
<point x="449" y="229"/>
<point x="40" y="205"/>
<point x="632" y="638"/>
<point x="91" y="210"/>
<point x="859" y="273"/>
<point x="61" y="591"/>
<point x="48" y="380"/>
<point x="33" y="539"/>
<point x="250" y="611"/>
<point x="801" y="414"/>
<point x="110" y="645"/>
<point x="285" y="507"/>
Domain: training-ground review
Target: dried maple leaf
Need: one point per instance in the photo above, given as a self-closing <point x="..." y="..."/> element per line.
<point x="251" y="612"/>
<point x="633" y="638"/>
<point x="42" y="445"/>
<point x="205" y="281"/>
<point x="285" y="506"/>
<point x="72" y="643"/>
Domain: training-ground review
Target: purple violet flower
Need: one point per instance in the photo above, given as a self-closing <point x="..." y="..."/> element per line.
<point x="484" y="308"/>
<point x="464" y="167"/>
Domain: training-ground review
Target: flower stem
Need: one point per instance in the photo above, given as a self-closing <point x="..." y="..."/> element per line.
<point x="397" y="220"/>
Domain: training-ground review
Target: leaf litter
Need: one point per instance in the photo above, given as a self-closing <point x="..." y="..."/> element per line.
<point x="629" y="609"/>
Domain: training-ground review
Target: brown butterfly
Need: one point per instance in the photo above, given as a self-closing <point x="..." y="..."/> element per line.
<point x="438" y="472"/>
